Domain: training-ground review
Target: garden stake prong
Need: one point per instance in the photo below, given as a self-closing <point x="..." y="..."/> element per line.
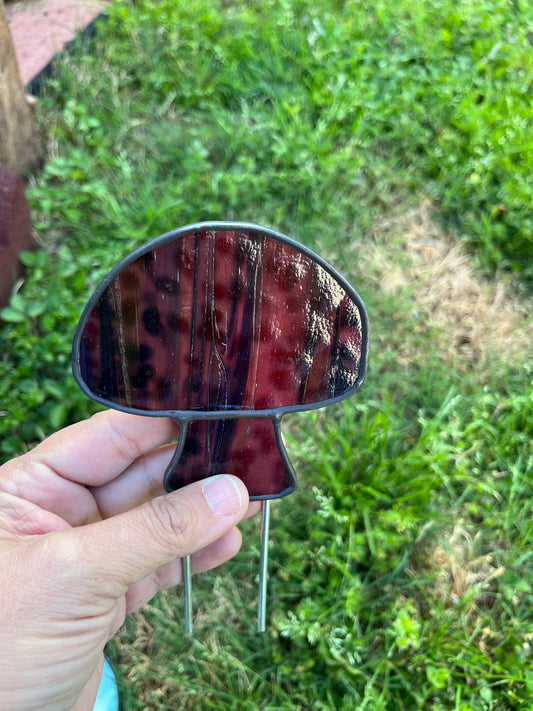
<point x="187" y="593"/>
<point x="263" y="567"/>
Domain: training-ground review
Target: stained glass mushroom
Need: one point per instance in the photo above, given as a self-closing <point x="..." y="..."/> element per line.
<point x="224" y="327"/>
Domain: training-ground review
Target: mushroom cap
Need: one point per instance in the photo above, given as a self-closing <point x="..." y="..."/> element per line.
<point x="221" y="320"/>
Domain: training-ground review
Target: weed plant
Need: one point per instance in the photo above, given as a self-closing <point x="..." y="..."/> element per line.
<point x="401" y="569"/>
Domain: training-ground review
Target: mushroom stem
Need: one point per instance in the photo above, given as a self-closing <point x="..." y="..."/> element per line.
<point x="263" y="567"/>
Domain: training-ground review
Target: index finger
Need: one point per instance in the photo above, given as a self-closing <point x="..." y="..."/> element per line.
<point x="97" y="450"/>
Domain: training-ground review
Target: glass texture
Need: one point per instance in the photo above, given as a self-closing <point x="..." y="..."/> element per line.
<point x="245" y="447"/>
<point x="221" y="320"/>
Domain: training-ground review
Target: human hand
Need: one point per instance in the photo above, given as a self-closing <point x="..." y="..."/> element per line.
<point x="87" y="535"/>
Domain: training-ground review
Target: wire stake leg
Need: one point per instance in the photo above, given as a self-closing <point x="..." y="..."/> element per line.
<point x="263" y="567"/>
<point x="187" y="593"/>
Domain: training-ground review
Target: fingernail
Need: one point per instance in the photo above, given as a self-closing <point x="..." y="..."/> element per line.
<point x="223" y="496"/>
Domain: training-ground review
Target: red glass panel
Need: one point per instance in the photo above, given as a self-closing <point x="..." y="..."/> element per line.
<point x="221" y="320"/>
<point x="245" y="447"/>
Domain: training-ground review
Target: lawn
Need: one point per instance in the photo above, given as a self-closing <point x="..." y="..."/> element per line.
<point x="395" y="139"/>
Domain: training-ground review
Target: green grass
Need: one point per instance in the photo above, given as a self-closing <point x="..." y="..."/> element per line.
<point x="401" y="569"/>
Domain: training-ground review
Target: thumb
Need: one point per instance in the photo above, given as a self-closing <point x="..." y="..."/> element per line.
<point x="125" y="548"/>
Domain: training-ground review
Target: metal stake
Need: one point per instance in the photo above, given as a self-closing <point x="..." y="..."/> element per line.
<point x="187" y="592"/>
<point x="263" y="567"/>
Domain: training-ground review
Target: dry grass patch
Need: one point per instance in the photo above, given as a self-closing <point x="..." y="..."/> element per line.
<point x="477" y="319"/>
<point x="456" y="567"/>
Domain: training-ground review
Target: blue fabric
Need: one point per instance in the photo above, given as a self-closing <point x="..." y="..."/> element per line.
<point x="107" y="697"/>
